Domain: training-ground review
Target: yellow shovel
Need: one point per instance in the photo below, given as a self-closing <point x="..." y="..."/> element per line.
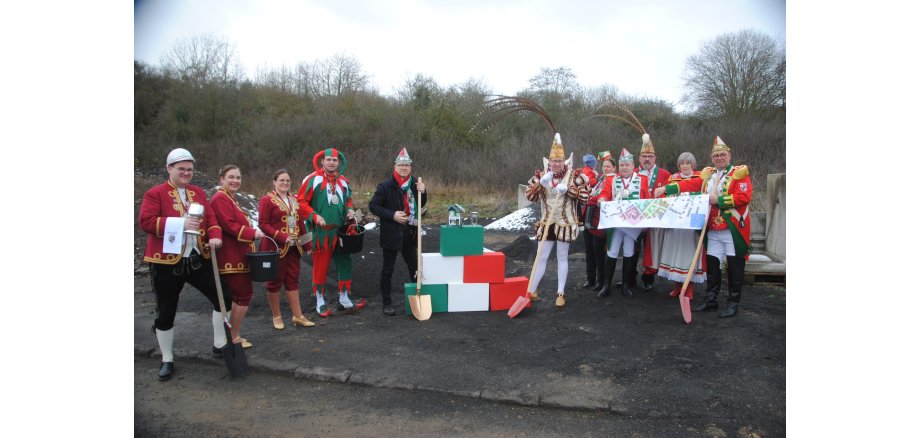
<point x="420" y="304"/>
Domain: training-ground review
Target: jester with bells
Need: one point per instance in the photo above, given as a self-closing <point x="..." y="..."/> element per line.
<point x="558" y="188"/>
<point x="325" y="199"/>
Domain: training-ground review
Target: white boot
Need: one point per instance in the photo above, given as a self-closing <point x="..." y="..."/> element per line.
<point x="165" y="339"/>
<point x="344" y="301"/>
<point x="217" y="323"/>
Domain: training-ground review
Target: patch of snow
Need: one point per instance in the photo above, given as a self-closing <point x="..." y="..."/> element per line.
<point x="519" y="220"/>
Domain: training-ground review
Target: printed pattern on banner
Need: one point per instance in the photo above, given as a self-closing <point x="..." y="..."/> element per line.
<point x="687" y="212"/>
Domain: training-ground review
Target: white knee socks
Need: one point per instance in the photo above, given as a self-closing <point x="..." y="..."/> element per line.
<point x="165" y="339"/>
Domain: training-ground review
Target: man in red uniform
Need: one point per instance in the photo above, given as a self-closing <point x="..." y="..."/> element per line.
<point x="657" y="177"/>
<point x="178" y="250"/>
<point x="730" y="190"/>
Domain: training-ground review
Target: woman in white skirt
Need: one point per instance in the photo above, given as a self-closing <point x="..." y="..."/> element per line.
<point x="680" y="244"/>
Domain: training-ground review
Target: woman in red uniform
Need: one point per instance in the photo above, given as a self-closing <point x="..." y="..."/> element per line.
<point x="679" y="245"/>
<point x="278" y="219"/>
<point x="238" y="237"/>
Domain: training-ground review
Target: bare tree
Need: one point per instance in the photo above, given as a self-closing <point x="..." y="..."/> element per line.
<point x="336" y="76"/>
<point x="736" y="73"/>
<point x="201" y="59"/>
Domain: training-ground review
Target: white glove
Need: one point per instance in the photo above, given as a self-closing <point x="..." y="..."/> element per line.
<point x="562" y="188"/>
<point x="546" y="179"/>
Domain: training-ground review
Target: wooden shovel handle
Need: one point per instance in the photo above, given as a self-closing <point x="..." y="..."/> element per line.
<point x="418" y="274"/>
<point x="696" y="257"/>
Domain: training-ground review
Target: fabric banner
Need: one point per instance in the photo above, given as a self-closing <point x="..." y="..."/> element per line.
<point x="685" y="211"/>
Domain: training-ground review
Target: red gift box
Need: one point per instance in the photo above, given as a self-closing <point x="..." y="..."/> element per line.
<point x="486" y="268"/>
<point x="503" y="295"/>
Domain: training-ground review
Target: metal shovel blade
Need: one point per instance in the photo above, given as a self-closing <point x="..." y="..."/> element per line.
<point x="518" y="305"/>
<point x="234" y="356"/>
<point x="421" y="306"/>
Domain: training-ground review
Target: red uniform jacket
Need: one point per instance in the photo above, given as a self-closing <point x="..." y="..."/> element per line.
<point x="163" y="201"/>
<point x="732" y="210"/>
<point x="238" y="234"/>
<point x="661" y="178"/>
<point x="274" y="213"/>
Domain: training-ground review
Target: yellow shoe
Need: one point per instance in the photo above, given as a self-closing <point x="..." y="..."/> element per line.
<point x="243" y="342"/>
<point x="534" y="296"/>
<point x="302" y="321"/>
<point x="560" y="301"/>
<point x="278" y="323"/>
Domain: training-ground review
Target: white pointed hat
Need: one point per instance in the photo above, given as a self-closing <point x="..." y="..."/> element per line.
<point x="403" y="157"/>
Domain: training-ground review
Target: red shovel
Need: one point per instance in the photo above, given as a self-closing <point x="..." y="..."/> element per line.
<point x="684" y="301"/>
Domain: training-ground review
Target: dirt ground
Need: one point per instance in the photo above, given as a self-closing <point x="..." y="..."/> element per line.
<point x="634" y="359"/>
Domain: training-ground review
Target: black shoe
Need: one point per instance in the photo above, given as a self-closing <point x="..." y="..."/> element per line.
<point x="730" y="310"/>
<point x="166" y="371"/>
<point x="217" y="353"/>
<point x="587" y="284"/>
<point x="388" y="310"/>
<point x="706" y="306"/>
<point x="598" y="287"/>
<point x="605" y="290"/>
<point x="626" y="292"/>
<point x="647" y="281"/>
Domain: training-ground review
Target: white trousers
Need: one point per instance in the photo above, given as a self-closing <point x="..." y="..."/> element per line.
<point x="720" y="244"/>
<point x="625" y="237"/>
<point x="562" y="264"/>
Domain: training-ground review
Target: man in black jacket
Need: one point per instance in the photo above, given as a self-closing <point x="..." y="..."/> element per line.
<point x="396" y="204"/>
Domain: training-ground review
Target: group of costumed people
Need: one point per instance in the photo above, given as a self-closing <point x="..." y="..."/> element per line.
<point x="185" y="230"/>
<point x="565" y="195"/>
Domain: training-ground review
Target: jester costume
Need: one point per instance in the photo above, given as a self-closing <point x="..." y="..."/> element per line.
<point x="729" y="233"/>
<point x="654" y="237"/>
<point x="558" y="194"/>
<point x="327" y="195"/>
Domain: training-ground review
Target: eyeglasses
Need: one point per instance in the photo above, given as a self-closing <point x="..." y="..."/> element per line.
<point x="185" y="169"/>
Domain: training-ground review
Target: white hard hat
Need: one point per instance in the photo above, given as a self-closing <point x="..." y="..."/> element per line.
<point x="178" y="155"/>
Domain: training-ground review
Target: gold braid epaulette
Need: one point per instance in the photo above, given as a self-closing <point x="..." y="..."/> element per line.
<point x="740" y="172"/>
<point x="707" y="172"/>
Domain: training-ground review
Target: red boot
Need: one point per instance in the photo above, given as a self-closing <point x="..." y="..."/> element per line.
<point x="676" y="290"/>
<point x="689" y="293"/>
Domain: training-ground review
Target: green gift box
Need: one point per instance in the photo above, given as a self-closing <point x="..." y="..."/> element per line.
<point x="461" y="240"/>
<point x="438" y="294"/>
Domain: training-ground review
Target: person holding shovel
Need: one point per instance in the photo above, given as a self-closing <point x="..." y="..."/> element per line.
<point x="279" y="220"/>
<point x="239" y="239"/>
<point x="626" y="185"/>
<point x="325" y="200"/>
<point x="558" y="189"/>
<point x="178" y="250"/>
<point x="679" y="245"/>
<point x="396" y="203"/>
<point x="730" y="190"/>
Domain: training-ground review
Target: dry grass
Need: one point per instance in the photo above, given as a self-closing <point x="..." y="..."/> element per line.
<point x="488" y="201"/>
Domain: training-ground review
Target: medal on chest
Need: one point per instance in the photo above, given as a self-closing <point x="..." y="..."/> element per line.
<point x="718" y="220"/>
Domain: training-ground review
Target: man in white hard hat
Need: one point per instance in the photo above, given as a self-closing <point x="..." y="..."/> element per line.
<point x="178" y="250"/>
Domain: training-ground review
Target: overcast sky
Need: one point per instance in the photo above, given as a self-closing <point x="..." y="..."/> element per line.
<point x="638" y="46"/>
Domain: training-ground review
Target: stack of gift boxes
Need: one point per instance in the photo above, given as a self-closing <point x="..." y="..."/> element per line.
<point x="463" y="277"/>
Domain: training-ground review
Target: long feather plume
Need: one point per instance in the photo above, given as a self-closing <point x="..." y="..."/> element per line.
<point x="499" y="107"/>
<point x="633" y="120"/>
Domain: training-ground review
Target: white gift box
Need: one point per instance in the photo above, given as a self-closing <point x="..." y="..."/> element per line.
<point x="467" y="297"/>
<point x="439" y="269"/>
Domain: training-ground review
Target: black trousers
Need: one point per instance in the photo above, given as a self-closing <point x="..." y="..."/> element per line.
<point x="168" y="281"/>
<point x="408" y="250"/>
<point x="594" y="257"/>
